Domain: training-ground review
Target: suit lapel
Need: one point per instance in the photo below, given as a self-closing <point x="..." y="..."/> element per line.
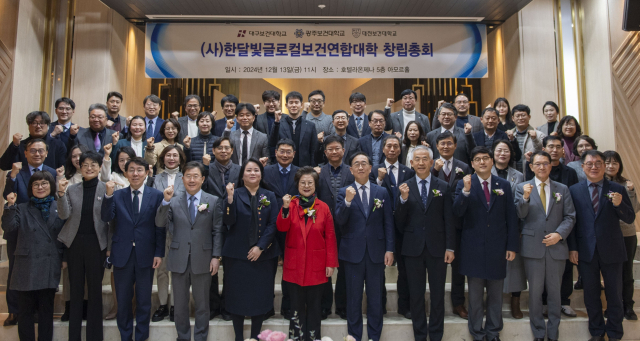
<point x="37" y="216"/>
<point x="413" y="190"/>
<point x="603" y="196"/>
<point x="164" y="180"/>
<point x="535" y="195"/>
<point x="183" y="204"/>
<point x="432" y="186"/>
<point x="146" y="201"/>
<point x="358" y="199"/>
<point x="344" y="174"/>
<point x="494" y="186"/>
<point x="302" y="130"/>
<point x="552" y="199"/>
<point x="216" y="176"/>
<point x="475" y="180"/>
<point x="128" y="203"/>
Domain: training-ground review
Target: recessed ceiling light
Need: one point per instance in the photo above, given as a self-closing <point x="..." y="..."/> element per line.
<point x="322" y="6"/>
<point x="490" y="26"/>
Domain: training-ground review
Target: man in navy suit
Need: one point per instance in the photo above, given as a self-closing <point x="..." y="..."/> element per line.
<point x="390" y="174"/>
<point x="137" y="246"/>
<point x="489" y="232"/>
<point x="491" y="133"/>
<point x="371" y="143"/>
<point x="64" y="110"/>
<point x="35" y="153"/>
<point x="358" y="122"/>
<point x="152" y="105"/>
<point x="229" y="104"/>
<point x="597" y="245"/>
<point x="365" y="215"/>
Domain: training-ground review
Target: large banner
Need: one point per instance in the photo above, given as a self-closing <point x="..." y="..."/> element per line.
<point x="207" y="50"/>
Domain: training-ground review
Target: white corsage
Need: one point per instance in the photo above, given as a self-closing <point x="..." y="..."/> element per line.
<point x="203" y="207"/>
<point x="557" y="197"/>
<point x="377" y="203"/>
<point x="498" y="192"/>
<point x="459" y="171"/>
<point x="437" y="193"/>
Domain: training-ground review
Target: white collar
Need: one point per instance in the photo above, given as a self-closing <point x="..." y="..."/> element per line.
<point x="488" y="180"/>
<point x="396" y="164"/>
<point x="443" y="129"/>
<point x="538" y="182"/>
<point x="367" y="185"/>
<point x="250" y="131"/>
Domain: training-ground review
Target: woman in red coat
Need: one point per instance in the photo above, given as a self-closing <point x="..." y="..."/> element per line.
<point x="311" y="253"/>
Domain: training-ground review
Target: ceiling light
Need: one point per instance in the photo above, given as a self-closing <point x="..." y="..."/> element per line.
<point x="322" y="6"/>
<point x="284" y="18"/>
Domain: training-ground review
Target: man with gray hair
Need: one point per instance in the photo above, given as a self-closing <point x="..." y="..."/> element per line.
<point x="97" y="135"/>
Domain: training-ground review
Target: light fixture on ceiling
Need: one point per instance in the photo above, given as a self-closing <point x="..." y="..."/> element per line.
<point x="284" y="18"/>
<point x="321" y="6"/>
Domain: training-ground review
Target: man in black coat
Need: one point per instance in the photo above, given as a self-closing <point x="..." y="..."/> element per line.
<point x="64" y="110"/>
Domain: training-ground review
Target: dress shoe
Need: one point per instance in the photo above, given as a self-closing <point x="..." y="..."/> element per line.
<point x="461" y="311"/>
<point x="613" y="339"/>
<point x="325" y="314"/>
<point x="213" y="313"/>
<point x="342" y="314"/>
<point x="171" y="315"/>
<point x="497" y="338"/>
<point x="568" y="311"/>
<point x="161" y="313"/>
<point x="578" y="285"/>
<point x="597" y="338"/>
<point x="286" y="314"/>
<point x="538" y="339"/>
<point x="85" y="304"/>
<point x="65" y="316"/>
<point x="515" y="308"/>
<point x="225" y="315"/>
<point x="11" y="320"/>
<point x="384" y="311"/>
<point x="407" y="315"/>
<point x="630" y="315"/>
<point x="269" y="314"/>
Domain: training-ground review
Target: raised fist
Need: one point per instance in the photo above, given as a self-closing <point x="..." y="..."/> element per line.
<point x="382" y="172"/>
<point x="306" y="106"/>
<point x="527" y="156"/>
<point x="424" y="143"/>
<point x="629" y="185"/>
<point x="278" y="115"/>
<point x="616" y="198"/>
<point x="230" y="190"/>
<point x="109" y="123"/>
<point x="62" y="185"/>
<point x="115" y="137"/>
<point x="317" y="169"/>
<point x="440" y="103"/>
<point x="510" y="135"/>
<point x="527" y="191"/>
<point x="168" y="193"/>
<point x="399" y="135"/>
<point x="129" y="118"/>
<point x="206" y="159"/>
<point x="350" y="194"/>
<point x="257" y="106"/>
<point x="438" y="165"/>
<point x="488" y="105"/>
<point x="11" y="198"/>
<point x="321" y="137"/>
<point x="230" y="123"/>
<point x="74" y="129"/>
<point x="150" y="142"/>
<point x="404" y="191"/>
<point x="57" y="130"/>
<point x="390" y="101"/>
<point x="107" y="149"/>
<point x="15" y="169"/>
<point x="214" y="114"/>
<point x="17" y="137"/>
<point x="555" y="133"/>
<point x="60" y="171"/>
<point x="264" y="160"/>
<point x="111" y="186"/>
<point x="286" y="200"/>
<point x="187" y="141"/>
<point x="467" y="183"/>
<point x="467" y="128"/>
<point x="175" y="115"/>
<point x="150" y="171"/>
<point x="533" y="133"/>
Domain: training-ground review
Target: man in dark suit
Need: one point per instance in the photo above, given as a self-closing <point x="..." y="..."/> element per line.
<point x="64" y="111"/>
<point x="189" y="124"/>
<point x="251" y="142"/>
<point x="229" y="104"/>
<point x="390" y="174"/>
<point x="280" y="178"/>
<point x="137" y="248"/>
<point x="18" y="182"/>
<point x="38" y="121"/>
<point x="491" y="133"/>
<point x="335" y="174"/>
<point x="264" y="122"/>
<point x="400" y="119"/>
<point x="465" y="142"/>
<point x="425" y="218"/>
<point x="351" y="144"/>
<point x="115" y="121"/>
<point x="489" y="232"/>
<point x="371" y="144"/>
<point x="152" y="105"/>
<point x="597" y="244"/>
<point x="364" y="214"/>
<point x="358" y="121"/>
<point x="97" y="135"/>
<point x="300" y="131"/>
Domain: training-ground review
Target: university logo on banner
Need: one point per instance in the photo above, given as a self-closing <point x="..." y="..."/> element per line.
<point x="355" y="32"/>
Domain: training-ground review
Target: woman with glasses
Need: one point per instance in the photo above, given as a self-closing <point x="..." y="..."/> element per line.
<point x="581" y="144"/>
<point x="169" y="130"/>
<point x="86" y="237"/>
<point x="38" y="255"/>
<point x="413" y="136"/>
<point x="568" y="130"/>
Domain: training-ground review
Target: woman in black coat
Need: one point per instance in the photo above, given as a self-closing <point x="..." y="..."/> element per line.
<point x="38" y="255"/>
<point x="249" y="249"/>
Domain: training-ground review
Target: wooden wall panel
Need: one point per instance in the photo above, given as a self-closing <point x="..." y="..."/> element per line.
<point x="494" y="85"/>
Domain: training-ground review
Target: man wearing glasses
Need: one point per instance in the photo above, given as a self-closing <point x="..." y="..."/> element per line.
<point x="400" y="119"/>
<point x="64" y="111"/>
<point x="323" y="122"/>
<point x="97" y="135"/>
<point x="188" y="124"/>
<point x="464" y="137"/>
<point x="529" y="139"/>
<point x="371" y="144"/>
<point x="461" y="103"/>
<point x="339" y="120"/>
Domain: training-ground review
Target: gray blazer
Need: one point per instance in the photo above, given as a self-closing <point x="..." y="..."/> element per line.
<point x="397" y="122"/>
<point x="38" y="256"/>
<point x="545" y="128"/>
<point x="84" y="137"/>
<point x="161" y="182"/>
<point x="200" y="241"/>
<point x="258" y="148"/>
<point x="513" y="176"/>
<point x="560" y="218"/>
<point x="465" y="144"/>
<point x="70" y="206"/>
<point x="184" y="128"/>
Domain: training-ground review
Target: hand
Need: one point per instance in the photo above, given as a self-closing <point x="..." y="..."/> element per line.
<point x="108" y="253"/>
<point x="629" y="185"/>
<point x="510" y="135"/>
<point x="60" y="171"/>
<point x="533" y="133"/>
<point x="399" y="135"/>
<point x="150" y="142"/>
<point x="257" y="106"/>
<point x="73" y="130"/>
<point x="214" y="114"/>
<point x="555" y="133"/>
<point x="424" y="143"/>
<point x="438" y="165"/>
<point x="527" y="156"/>
<point x="382" y="172"/>
<point x="440" y="103"/>
<point x="390" y="101"/>
<point x="254" y="254"/>
<point x="62" y="185"/>
<point x="206" y="159"/>
<point x="58" y="130"/>
<point x="64" y="265"/>
<point x="214" y="266"/>
<point x="552" y="238"/>
<point x="15" y="169"/>
<point x="278" y="115"/>
<point x="150" y="171"/>
<point x="111" y="186"/>
<point x="168" y="193"/>
<point x="264" y="160"/>
<point x="17" y="137"/>
<point x="388" y="258"/>
<point x="109" y="123"/>
<point x="449" y="257"/>
<point x="187" y="141"/>
<point x="404" y="191"/>
<point x="329" y="272"/>
<point x="175" y="115"/>
<point x="349" y="194"/>
<point x="129" y="118"/>
<point x="11" y="198"/>
<point x="115" y="137"/>
<point x="488" y="105"/>
<point x="511" y="255"/>
<point x="286" y="200"/>
<point x="616" y="198"/>
<point x="321" y="137"/>
<point x="156" y="262"/>
<point x="230" y="124"/>
<point x="573" y="257"/>
<point x="107" y="149"/>
<point x="317" y="169"/>
<point x="527" y="191"/>
<point x="305" y="106"/>
<point x="467" y="128"/>
<point x="467" y="183"/>
<point x="230" y="190"/>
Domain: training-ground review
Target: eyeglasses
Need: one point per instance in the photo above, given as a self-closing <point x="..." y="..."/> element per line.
<point x="447" y="114"/>
<point x="340" y="118"/>
<point x="151" y="104"/>
<point x="193" y="106"/>
<point x="553" y="147"/>
<point x="38" y="123"/>
<point x="64" y="109"/>
<point x="598" y="164"/>
<point x="377" y="121"/>
<point x="462" y="102"/>
<point x="501" y="151"/>
<point x="445" y="144"/>
<point x="307" y="184"/>
<point x="316" y="101"/>
<point x="334" y="150"/>
<point x="612" y="163"/>
<point x="92" y="117"/>
<point x="37" y="151"/>
<point x="42" y="185"/>
<point x="481" y="159"/>
<point x="519" y="116"/>
<point x="223" y="148"/>
<point x="490" y="118"/>
<point x="541" y="164"/>
<point x="90" y="165"/>
<point x="285" y="152"/>
<point x="359" y="164"/>
<point x="192" y="177"/>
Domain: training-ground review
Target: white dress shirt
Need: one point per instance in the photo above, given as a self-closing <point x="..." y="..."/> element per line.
<point x="192" y="128"/>
<point x="546" y="191"/>
<point x="442" y="129"/>
<point x="389" y="171"/>
<point x="239" y="147"/>
<point x="360" y="191"/>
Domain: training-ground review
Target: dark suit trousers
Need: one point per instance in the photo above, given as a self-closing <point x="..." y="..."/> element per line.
<point x="631" y="244"/>
<point x="306" y="310"/>
<point x="457" y="279"/>
<point x="216" y="299"/>
<point x="12" y="295"/>
<point x="42" y="302"/>
<point x="85" y="262"/>
<point x="369" y="276"/>
<point x="129" y="278"/>
<point x="493" y="304"/>
<point x="403" y="282"/>
<point x="417" y="277"/>
<point x="341" y="287"/>
<point x="612" y="275"/>
<point x="566" y="288"/>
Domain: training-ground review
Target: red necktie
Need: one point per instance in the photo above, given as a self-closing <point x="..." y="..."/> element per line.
<point x="487" y="195"/>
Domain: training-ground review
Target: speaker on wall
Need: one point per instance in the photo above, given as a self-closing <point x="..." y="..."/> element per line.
<point x="631" y="17"/>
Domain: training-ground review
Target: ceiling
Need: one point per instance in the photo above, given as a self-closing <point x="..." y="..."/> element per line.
<point x="487" y="11"/>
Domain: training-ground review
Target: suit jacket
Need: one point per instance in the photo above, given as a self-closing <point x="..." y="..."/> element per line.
<point x="272" y="178"/>
<point x="63" y="137"/>
<point x="513" y="176"/>
<point x="123" y="125"/>
<point x="38" y="255"/>
<point x="258" y="148"/>
<point x="184" y="128"/>
<point x="365" y="146"/>
<point x="149" y="238"/>
<point x="479" y="138"/>
<point x="433" y="228"/>
<point x="600" y="230"/>
<point x="488" y="231"/>
<point x="530" y="145"/>
<point x="455" y="175"/>
<point x="161" y="182"/>
<point x="559" y="217"/>
<point x="70" y="208"/>
<point x="352" y="127"/>
<point x="196" y="242"/>
<point x="397" y="121"/>
<point x="465" y="144"/>
<point x="310" y="246"/>
<point x="214" y="184"/>
<point x="56" y="156"/>
<point x="156" y="129"/>
<point x="262" y="124"/>
<point x="545" y="128"/>
<point x="374" y="232"/>
<point x="404" y="173"/>
<point x="324" y="187"/>
<point x="237" y="218"/>
<point x="85" y="137"/>
<point x="126" y="143"/>
<point x="308" y="145"/>
<point x="351" y="146"/>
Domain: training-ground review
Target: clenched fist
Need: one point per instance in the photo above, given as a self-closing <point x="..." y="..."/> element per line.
<point x="257" y="106"/>
<point x="390" y="101"/>
<point x="11" y="198"/>
<point x="109" y="123"/>
<point x="150" y="142"/>
<point x="230" y="123"/>
<point x="510" y="135"/>
<point x="399" y="135"/>
<point x="321" y="137"/>
<point x="440" y="103"/>
<point x="317" y="169"/>
<point x="533" y="133"/>
<point x="187" y="141"/>
<point x="62" y="185"/>
<point x="60" y="171"/>
<point x="168" y="193"/>
<point x="467" y="128"/>
<point x="467" y="183"/>
<point x="527" y="188"/>
<point x="306" y="106"/>
<point x="382" y="172"/>
<point x="115" y="137"/>
<point x="57" y="130"/>
<point x="15" y="169"/>
<point x="175" y="115"/>
<point x="278" y="115"/>
<point x="17" y="137"/>
<point x="629" y="185"/>
<point x="111" y="186"/>
<point x="206" y="159"/>
<point x="129" y="118"/>
<point x="230" y="190"/>
<point x="616" y="198"/>
<point x="438" y="165"/>
<point x="350" y="194"/>
<point x="527" y="156"/>
<point x="264" y="160"/>
<point x="286" y="200"/>
<point x="107" y="150"/>
<point x="404" y="191"/>
<point x="74" y="129"/>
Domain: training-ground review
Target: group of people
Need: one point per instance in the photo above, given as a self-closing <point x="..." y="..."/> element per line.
<point x="509" y="206"/>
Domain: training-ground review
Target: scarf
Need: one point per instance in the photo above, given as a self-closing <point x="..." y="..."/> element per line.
<point x="223" y="169"/>
<point x="307" y="204"/>
<point x="172" y="171"/>
<point x="43" y="204"/>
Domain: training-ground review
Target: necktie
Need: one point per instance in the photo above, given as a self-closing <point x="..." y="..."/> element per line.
<point x="543" y="197"/>
<point x="359" y="124"/>
<point x="136" y="204"/>
<point x="487" y="195"/>
<point x="595" y="197"/>
<point x="96" y="142"/>
<point x="244" y="146"/>
<point x="285" y="178"/>
<point x="293" y="126"/>
<point x="424" y="195"/>
<point x="446" y="167"/>
<point x="35" y="170"/>
<point x="150" y="129"/>
<point x="365" y="200"/>
<point x="392" y="178"/>
<point x="192" y="209"/>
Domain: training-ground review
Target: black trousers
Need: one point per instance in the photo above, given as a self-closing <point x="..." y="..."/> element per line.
<point x="403" y="282"/>
<point x="12" y="295"/>
<point x="457" y="280"/>
<point x="30" y="301"/>
<point x="216" y="299"/>
<point x="285" y="304"/>
<point x="306" y="310"/>
<point x="566" y="288"/>
<point x="631" y="243"/>
<point x="238" y="326"/>
<point x="85" y="261"/>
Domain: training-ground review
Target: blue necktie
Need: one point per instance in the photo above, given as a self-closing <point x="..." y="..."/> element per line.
<point x="192" y="209"/>
<point x="150" y="129"/>
<point x="285" y="178"/>
<point x="424" y="193"/>
<point x="392" y="178"/>
<point x="35" y="170"/>
<point x="136" y="204"/>
<point x="365" y="201"/>
<point x="359" y="124"/>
